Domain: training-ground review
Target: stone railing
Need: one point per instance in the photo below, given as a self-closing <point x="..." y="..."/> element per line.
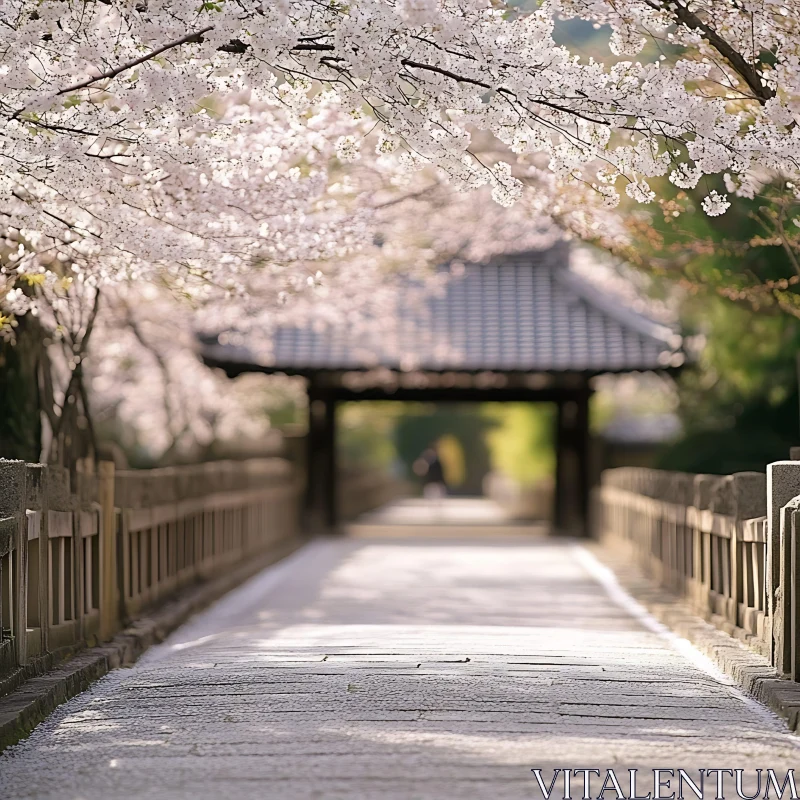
<point x="79" y="558"/>
<point x="726" y="544"/>
<point x="702" y="536"/>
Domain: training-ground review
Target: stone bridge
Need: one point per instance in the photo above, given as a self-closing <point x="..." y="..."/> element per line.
<point x="395" y="664"/>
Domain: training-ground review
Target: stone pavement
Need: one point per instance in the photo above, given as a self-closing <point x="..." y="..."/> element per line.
<point x="451" y="517"/>
<point x="400" y="669"/>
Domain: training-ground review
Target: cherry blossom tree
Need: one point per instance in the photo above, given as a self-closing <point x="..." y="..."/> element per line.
<point x="90" y="78"/>
<point x="241" y="222"/>
<point x="149" y="392"/>
<point x="188" y="146"/>
<point x="103" y="102"/>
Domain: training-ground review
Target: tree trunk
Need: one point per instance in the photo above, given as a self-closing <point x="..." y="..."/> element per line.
<point x="20" y="402"/>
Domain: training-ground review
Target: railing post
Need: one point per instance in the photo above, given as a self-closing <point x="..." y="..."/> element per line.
<point x="21" y="575"/>
<point x="38" y="492"/>
<point x="735" y="594"/>
<point x="721" y="521"/>
<point x="83" y="469"/>
<point x="783" y="484"/>
<point x="109" y="600"/>
<point x="749" y="502"/>
<point x="12" y="503"/>
<point x="681" y="495"/>
<point x="701" y="500"/>
<point x="790" y="523"/>
<point x="785" y="624"/>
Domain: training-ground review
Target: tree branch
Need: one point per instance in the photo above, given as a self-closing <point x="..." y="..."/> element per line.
<point x="75" y="383"/>
<point x="745" y="69"/>
<point x="112" y="73"/>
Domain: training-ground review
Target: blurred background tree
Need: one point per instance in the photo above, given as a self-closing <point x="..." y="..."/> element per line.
<point x="462" y="427"/>
<point x="736" y="277"/>
<point x="739" y="401"/>
<point x="366" y="434"/>
<point x="515" y="439"/>
<point x="521" y="442"/>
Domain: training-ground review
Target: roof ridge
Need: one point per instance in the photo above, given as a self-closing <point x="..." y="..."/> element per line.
<point x="608" y="304"/>
<point x="549" y="254"/>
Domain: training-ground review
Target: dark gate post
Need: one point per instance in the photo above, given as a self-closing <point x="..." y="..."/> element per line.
<point x="573" y="470"/>
<point x="329" y="454"/>
<point x="562" y="499"/>
<point x="321" y="460"/>
<point x="311" y="461"/>
<point x="584" y="459"/>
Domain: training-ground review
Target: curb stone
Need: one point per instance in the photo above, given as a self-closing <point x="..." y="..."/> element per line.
<point x="749" y="669"/>
<point x="24" y="708"/>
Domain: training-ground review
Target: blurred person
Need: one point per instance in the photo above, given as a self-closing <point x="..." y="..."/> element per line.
<point x="429" y="467"/>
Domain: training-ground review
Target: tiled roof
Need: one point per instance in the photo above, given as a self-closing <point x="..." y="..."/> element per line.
<point x="522" y="312"/>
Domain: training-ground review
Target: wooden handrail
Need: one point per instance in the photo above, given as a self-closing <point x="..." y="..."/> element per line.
<point x="80" y="558"/>
<point x="704" y="537"/>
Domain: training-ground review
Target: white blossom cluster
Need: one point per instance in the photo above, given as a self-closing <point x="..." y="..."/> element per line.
<point x="239" y="209"/>
<point x="125" y="139"/>
<point x="81" y="81"/>
<point x="725" y="100"/>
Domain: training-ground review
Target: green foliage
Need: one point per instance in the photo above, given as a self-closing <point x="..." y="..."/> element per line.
<point x="521" y="443"/>
<point x="285" y="413"/>
<point x="365" y="430"/>
<point x="747" y="355"/>
<point x="742" y="255"/>
<point x="740" y="449"/>
<point x="739" y="403"/>
<point x="20" y="419"/>
<point x="451" y="454"/>
<point x="423" y="424"/>
<point x="514" y="438"/>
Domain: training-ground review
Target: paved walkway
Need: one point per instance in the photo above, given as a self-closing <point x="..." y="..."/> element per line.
<point x="451" y="517"/>
<point x="399" y="669"/>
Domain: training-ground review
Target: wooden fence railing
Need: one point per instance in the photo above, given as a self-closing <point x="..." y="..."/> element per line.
<point x="727" y="544"/>
<point x="80" y="558"/>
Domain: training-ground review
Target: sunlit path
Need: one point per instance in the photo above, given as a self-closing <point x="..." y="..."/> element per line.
<point x="461" y="517"/>
<point x="398" y="669"/>
<point x="447" y="511"/>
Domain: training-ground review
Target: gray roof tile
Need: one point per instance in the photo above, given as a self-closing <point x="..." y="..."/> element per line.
<point x="521" y="312"/>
